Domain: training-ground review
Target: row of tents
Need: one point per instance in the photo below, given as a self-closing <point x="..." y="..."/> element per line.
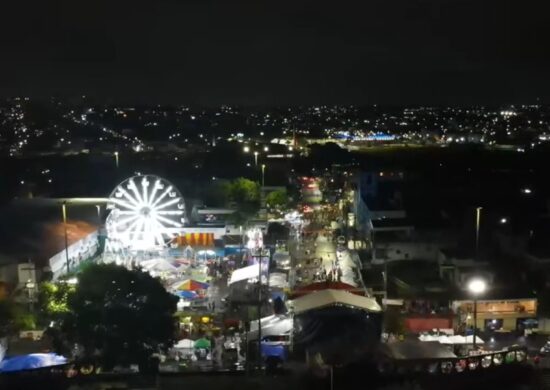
<point x="451" y="340"/>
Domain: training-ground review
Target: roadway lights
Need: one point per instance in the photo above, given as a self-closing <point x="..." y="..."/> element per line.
<point x="246" y="149"/>
<point x="477" y="286"/>
<point x="503" y="220"/>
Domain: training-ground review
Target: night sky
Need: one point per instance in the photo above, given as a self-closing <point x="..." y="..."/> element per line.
<point x="277" y="52"/>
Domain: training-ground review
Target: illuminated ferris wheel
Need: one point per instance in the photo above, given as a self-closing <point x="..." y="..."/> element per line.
<point x="146" y="212"/>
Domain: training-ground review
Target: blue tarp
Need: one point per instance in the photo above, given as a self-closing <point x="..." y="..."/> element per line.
<point x="32" y="361"/>
<point x="278" y="294"/>
<point x="186" y="294"/>
<point x="270" y="350"/>
<point x="231" y="250"/>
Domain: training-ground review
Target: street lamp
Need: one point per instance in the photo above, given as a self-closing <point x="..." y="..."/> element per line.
<point x="263" y="175"/>
<point x="98" y="207"/>
<point x="478" y="218"/>
<point x="256" y="159"/>
<point x="64" y="210"/>
<point x="30" y="285"/>
<point x="116" y="159"/>
<point x="246" y="149"/>
<point x="476" y="287"/>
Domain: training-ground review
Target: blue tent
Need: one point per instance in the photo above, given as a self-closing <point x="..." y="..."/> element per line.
<point x="32" y="361"/>
<point x="186" y="294"/>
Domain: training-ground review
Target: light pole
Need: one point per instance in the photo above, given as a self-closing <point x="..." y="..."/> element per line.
<point x="476" y="287"/>
<point x="258" y="255"/>
<point x="30" y="285"/>
<point x="263" y="175"/>
<point x="64" y="210"/>
<point x="256" y="159"/>
<point x="478" y="218"/>
<point x="98" y="207"/>
<point x="116" y="159"/>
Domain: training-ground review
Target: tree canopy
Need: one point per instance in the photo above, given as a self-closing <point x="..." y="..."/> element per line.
<point x="117" y="316"/>
<point x="277" y="199"/>
<point x="52" y="299"/>
<point x="245" y="194"/>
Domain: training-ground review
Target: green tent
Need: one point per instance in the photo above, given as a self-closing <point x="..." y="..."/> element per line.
<point x="202" y="343"/>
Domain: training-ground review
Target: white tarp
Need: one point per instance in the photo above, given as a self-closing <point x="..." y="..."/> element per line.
<point x="323" y="298"/>
<point x="281" y="256"/>
<point x="184" y="344"/>
<point x="158" y="264"/>
<point x="278" y="279"/>
<point x="78" y="251"/>
<point x="245" y="273"/>
<point x="274" y="325"/>
<point x="451" y="340"/>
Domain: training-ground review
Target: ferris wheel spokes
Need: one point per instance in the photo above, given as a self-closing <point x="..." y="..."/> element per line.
<point x="144" y="215"/>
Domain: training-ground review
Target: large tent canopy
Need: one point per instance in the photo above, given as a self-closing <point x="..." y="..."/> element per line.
<point x="32" y="361"/>
<point x="329" y="297"/>
<point x="451" y="340"/>
<point x="192" y="285"/>
<point x="244" y="273"/>
<point x="158" y="264"/>
<point x="184" y="344"/>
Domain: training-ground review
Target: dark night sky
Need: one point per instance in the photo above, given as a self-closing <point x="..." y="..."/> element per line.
<point x="277" y="52"/>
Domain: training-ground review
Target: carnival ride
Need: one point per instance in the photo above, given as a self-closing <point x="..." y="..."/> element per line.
<point x="146" y="212"/>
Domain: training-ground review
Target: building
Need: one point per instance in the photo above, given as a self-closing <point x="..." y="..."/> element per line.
<point x="506" y="314"/>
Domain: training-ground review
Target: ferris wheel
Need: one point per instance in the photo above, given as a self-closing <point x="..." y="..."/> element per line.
<point x="146" y="211"/>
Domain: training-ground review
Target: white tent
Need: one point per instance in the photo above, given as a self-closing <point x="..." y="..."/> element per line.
<point x="245" y="273"/>
<point x="184" y="344"/>
<point x="281" y="256"/>
<point x="451" y="340"/>
<point x="466" y="339"/>
<point x="272" y="325"/>
<point x="328" y="297"/>
<point x="278" y="279"/>
<point x="159" y="265"/>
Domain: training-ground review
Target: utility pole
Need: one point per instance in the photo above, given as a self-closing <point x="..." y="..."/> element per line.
<point x="64" y="209"/>
<point x="478" y="218"/>
<point x="260" y="309"/>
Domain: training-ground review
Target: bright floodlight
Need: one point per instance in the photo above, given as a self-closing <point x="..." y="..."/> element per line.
<point x="477" y="286"/>
<point x="146" y="211"/>
<point x="246" y="149"/>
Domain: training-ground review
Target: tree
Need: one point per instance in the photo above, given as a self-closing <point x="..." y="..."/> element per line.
<point x="277" y="199"/>
<point x="245" y="194"/>
<point x="53" y="299"/>
<point x="117" y="316"/>
<point x="244" y="191"/>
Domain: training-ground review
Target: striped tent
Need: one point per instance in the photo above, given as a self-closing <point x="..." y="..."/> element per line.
<point x="192" y="285"/>
<point x="194" y="239"/>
